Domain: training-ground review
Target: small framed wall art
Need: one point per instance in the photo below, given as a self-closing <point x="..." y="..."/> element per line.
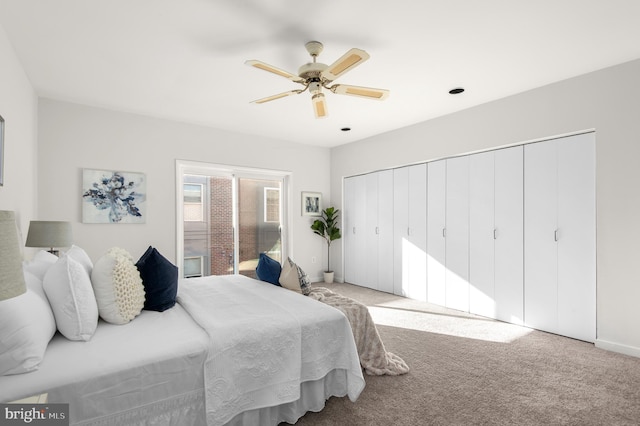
<point x="311" y="204"/>
<point x="113" y="196"/>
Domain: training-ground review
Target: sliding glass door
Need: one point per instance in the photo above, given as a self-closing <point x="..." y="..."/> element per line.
<point x="227" y="217"/>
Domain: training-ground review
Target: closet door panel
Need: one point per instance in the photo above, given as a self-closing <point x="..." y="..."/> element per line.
<point x="457" y="234"/>
<point x="348" y="218"/>
<point x="436" y="222"/>
<point x="385" y="231"/>
<point x="482" y="294"/>
<point x="577" y="237"/>
<point x="400" y="228"/>
<point x="355" y="232"/>
<point x="541" y="248"/>
<point x="369" y="259"/>
<point x="417" y="247"/>
<point x="509" y="235"/>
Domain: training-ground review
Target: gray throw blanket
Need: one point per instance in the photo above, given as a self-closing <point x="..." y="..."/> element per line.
<point x="374" y="358"/>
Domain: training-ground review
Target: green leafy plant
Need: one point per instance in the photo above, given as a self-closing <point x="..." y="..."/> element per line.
<point x="327" y="228"/>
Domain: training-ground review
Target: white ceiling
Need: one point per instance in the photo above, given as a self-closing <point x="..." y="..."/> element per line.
<point x="184" y="59"/>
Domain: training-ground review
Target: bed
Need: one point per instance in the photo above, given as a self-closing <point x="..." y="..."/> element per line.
<point x="233" y="350"/>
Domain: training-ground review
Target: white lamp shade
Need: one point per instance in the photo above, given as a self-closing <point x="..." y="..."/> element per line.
<point x="11" y="276"/>
<point x="43" y="233"/>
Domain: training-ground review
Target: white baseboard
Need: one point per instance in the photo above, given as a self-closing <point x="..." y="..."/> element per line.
<point x="617" y="347"/>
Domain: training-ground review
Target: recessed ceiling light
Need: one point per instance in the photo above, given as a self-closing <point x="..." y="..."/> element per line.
<point x="456" y="91"/>
<point x="346" y="129"/>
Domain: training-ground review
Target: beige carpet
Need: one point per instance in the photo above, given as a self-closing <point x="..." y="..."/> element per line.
<point x="468" y="370"/>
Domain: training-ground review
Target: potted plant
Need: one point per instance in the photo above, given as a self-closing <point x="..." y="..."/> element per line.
<point x="327" y="228"/>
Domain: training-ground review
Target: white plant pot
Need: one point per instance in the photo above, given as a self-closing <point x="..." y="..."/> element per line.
<point x="328" y="277"/>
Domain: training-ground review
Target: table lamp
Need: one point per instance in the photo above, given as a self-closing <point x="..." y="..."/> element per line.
<point x="43" y="233"/>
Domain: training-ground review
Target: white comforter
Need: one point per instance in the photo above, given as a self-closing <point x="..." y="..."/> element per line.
<point x="264" y="346"/>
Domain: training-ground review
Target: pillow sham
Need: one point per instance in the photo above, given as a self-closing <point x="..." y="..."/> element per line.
<point x="40" y="263"/>
<point x="81" y="256"/>
<point x="305" y="284"/>
<point x="118" y="287"/>
<point x="160" y="280"/>
<point x="26" y="327"/>
<point x="268" y="269"/>
<point x="289" y="276"/>
<point x="68" y="288"/>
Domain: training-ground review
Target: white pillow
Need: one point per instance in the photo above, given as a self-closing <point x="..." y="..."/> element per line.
<point x="81" y="256"/>
<point x="40" y="263"/>
<point x="26" y="327"/>
<point x="289" y="276"/>
<point x="68" y="288"/>
<point x="118" y="287"/>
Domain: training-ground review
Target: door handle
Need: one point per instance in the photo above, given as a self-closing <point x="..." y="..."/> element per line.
<point x="495" y="233"/>
<point x="555" y="235"/>
<point x="377" y="230"/>
<point x="444" y="232"/>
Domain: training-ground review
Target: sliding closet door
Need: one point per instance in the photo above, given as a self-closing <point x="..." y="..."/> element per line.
<point x="540" y="229"/>
<point x="577" y="237"/>
<point x="457" y="234"/>
<point x="436" y="222"/>
<point x="370" y="253"/>
<point x="400" y="231"/>
<point x="417" y="232"/>
<point x="482" y="293"/>
<point x="509" y="235"/>
<point x="385" y="231"/>
<point x="353" y="232"/>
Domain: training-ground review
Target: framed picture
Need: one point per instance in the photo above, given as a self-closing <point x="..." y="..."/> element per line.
<point x="1" y="151"/>
<point x="113" y="196"/>
<point x="311" y="204"/>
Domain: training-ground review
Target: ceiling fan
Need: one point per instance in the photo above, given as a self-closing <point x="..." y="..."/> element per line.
<point x="315" y="76"/>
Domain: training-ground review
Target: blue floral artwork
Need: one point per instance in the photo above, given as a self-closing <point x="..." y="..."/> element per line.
<point x="113" y="197"/>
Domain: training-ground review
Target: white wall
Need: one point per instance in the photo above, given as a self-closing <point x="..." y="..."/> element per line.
<point x="18" y="107"/>
<point x="607" y="101"/>
<point x="73" y="137"/>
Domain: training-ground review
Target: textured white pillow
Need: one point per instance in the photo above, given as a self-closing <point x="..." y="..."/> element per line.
<point x="68" y="288"/>
<point x="289" y="277"/>
<point x="40" y="263"/>
<point x="26" y="327"/>
<point x="118" y="287"/>
<point x="81" y="256"/>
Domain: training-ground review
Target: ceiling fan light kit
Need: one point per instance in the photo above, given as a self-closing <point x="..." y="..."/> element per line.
<point x="315" y="76"/>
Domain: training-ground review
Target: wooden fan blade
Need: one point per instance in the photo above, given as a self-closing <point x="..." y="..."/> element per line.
<point x="346" y="62"/>
<point x="278" y="96"/>
<point x="363" y="92"/>
<point x="272" y="69"/>
<point x="319" y="105"/>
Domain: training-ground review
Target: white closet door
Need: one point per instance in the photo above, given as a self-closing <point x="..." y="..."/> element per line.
<point x="457" y="234"/>
<point x="509" y="238"/>
<point x="417" y="233"/>
<point x="385" y="231"/>
<point x="400" y="228"/>
<point x="540" y="225"/>
<point x="482" y="293"/>
<point x="354" y="232"/>
<point x="348" y="222"/>
<point x="577" y="237"/>
<point x="370" y="254"/>
<point x="436" y="220"/>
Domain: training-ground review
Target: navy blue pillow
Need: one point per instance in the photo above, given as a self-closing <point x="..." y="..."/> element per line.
<point x="268" y="269"/>
<point x="160" y="280"/>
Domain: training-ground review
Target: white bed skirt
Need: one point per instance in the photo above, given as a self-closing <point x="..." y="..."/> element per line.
<point x="189" y="409"/>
